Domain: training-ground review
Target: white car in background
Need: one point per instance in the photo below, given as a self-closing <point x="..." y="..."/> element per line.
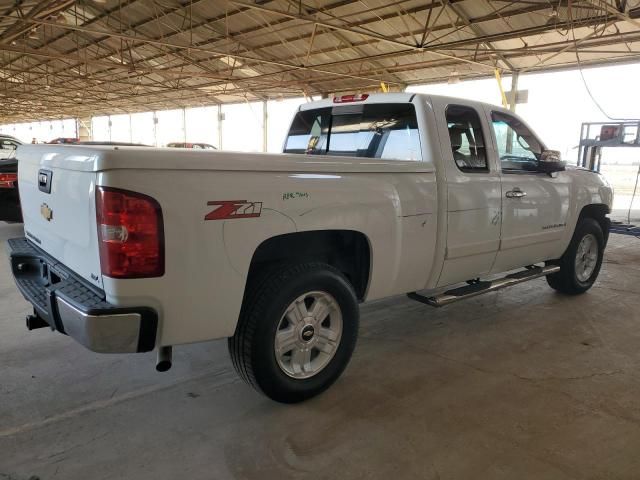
<point x="8" y="146"/>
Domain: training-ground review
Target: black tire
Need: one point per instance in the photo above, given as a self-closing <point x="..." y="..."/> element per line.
<point x="566" y="280"/>
<point x="252" y="347"/>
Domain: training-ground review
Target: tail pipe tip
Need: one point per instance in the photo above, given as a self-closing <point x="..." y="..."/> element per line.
<point x="164" y="359"/>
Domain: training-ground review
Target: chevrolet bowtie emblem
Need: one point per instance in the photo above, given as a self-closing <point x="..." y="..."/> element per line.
<point x="46" y="212"/>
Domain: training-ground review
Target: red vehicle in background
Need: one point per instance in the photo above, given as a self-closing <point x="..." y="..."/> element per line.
<point x="10" y="210"/>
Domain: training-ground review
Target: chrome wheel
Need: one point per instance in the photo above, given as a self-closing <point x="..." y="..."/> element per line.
<point x="586" y="257"/>
<point x="308" y="334"/>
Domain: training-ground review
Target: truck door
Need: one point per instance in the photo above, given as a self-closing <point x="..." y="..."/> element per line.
<point x="473" y="192"/>
<point x="535" y="205"/>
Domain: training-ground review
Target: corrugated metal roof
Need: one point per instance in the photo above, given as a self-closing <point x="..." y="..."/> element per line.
<point x="79" y="58"/>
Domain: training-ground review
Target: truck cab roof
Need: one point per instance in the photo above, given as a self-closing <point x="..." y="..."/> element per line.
<point x="394" y="97"/>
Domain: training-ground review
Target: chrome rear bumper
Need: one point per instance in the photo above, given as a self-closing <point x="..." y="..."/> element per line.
<point x="65" y="303"/>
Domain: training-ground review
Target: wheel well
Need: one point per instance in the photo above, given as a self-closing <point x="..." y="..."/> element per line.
<point x="599" y="213"/>
<point x="346" y="250"/>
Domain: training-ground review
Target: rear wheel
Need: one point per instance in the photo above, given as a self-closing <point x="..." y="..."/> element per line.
<point x="296" y="332"/>
<point x="580" y="264"/>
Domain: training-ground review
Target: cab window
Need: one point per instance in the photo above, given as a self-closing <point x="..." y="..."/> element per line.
<point x="309" y="132"/>
<point x="518" y="147"/>
<point x="466" y="139"/>
<point x="385" y="131"/>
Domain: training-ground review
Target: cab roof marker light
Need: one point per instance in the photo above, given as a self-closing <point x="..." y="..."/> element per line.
<point x="351" y="98"/>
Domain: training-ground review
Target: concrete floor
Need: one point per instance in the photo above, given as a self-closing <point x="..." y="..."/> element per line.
<point x="519" y="384"/>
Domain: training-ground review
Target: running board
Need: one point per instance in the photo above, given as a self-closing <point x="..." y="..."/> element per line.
<point x="479" y="288"/>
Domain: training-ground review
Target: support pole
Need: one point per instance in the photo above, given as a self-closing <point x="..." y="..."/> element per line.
<point x="155" y="128"/>
<point x="512" y="106"/>
<point x="220" y="126"/>
<point x="514" y="90"/>
<point x="265" y="120"/>
<point x="499" y="80"/>
<point x="184" y="125"/>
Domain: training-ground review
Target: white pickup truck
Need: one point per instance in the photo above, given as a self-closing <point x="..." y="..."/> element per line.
<point x="131" y="249"/>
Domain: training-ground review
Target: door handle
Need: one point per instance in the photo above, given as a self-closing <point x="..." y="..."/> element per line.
<point x="516" y="193"/>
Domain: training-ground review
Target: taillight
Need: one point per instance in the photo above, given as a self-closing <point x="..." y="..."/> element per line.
<point x="8" y="180"/>
<point x="130" y="233"/>
<point x="351" y="98"/>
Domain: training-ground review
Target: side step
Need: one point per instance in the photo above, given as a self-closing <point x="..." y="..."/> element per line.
<point x="475" y="289"/>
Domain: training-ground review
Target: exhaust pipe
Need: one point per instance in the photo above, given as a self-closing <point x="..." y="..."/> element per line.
<point x="34" y="322"/>
<point x="164" y="359"/>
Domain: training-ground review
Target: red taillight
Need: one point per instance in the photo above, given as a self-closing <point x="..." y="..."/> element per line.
<point x="8" y="180"/>
<point x="351" y="98"/>
<point x="130" y="233"/>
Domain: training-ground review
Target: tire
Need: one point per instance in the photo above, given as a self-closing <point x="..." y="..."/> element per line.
<point x="579" y="267"/>
<point x="268" y="310"/>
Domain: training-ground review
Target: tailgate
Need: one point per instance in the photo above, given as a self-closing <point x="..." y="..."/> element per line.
<point x="58" y="205"/>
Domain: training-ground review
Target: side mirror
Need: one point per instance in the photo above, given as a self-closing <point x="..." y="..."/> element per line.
<point x="550" y="162"/>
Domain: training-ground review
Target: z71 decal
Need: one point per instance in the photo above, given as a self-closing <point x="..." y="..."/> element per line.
<point x="231" y="209"/>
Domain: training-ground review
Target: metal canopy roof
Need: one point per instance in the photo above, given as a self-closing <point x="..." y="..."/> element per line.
<point x="91" y="57"/>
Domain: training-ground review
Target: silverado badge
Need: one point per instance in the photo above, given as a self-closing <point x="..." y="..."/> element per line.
<point x="46" y="212"/>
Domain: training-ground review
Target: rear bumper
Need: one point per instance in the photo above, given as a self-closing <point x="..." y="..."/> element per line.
<point x="76" y="309"/>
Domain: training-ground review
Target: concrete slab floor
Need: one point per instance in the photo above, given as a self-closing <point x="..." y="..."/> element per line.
<point x="520" y="384"/>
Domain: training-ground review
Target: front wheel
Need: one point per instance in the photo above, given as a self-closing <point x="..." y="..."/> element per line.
<point x="580" y="264"/>
<point x="296" y="332"/>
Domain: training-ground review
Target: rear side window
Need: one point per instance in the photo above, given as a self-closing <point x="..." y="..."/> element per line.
<point x="385" y="131"/>
<point x="466" y="139"/>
